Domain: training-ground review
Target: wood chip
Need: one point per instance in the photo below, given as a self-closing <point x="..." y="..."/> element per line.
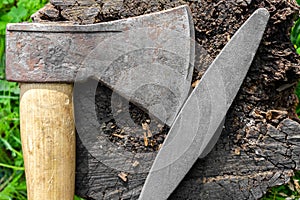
<point x="152" y="143"/>
<point x="145" y="127"/>
<point x="118" y="135"/>
<point x="123" y="176"/>
<point x="291" y="186"/>
<point x="195" y="83"/>
<point x="228" y="38"/>
<point x="159" y="146"/>
<point x="297" y="185"/>
<point x="237" y="151"/>
<point x="136" y="163"/>
<point x="149" y="133"/>
<point x="145" y="139"/>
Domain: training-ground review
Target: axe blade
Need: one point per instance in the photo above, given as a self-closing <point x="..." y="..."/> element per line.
<point x="147" y="59"/>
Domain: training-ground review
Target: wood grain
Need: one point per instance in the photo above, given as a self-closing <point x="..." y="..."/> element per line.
<point x="48" y="140"/>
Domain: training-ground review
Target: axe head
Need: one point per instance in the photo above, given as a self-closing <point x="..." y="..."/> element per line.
<point x="147" y="59"/>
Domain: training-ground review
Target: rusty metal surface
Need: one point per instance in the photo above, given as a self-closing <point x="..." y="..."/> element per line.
<point x="127" y="55"/>
<point x="52" y="52"/>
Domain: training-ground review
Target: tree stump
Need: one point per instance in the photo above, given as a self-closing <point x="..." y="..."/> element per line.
<point x="260" y="145"/>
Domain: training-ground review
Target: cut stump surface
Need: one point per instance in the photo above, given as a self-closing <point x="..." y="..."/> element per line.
<point x="260" y="145"/>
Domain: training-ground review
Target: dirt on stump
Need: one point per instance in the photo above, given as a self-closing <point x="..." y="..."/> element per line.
<point x="260" y="145"/>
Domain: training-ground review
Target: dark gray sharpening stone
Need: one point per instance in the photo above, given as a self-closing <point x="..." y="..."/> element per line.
<point x="201" y="115"/>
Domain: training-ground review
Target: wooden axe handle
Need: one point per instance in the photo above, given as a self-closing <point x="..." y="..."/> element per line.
<point x="48" y="140"/>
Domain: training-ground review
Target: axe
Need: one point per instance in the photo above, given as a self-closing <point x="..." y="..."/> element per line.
<point x="47" y="58"/>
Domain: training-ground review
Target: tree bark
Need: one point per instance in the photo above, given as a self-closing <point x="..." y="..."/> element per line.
<point x="260" y="145"/>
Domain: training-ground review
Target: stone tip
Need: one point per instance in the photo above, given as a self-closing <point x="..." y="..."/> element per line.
<point x="263" y="12"/>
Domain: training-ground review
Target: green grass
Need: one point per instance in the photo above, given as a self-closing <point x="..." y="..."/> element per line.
<point x="282" y="192"/>
<point x="295" y="38"/>
<point x="12" y="181"/>
<point x="12" y="177"/>
<point x="298" y="94"/>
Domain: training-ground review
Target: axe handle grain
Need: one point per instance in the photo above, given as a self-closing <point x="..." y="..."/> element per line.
<point x="48" y="140"/>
